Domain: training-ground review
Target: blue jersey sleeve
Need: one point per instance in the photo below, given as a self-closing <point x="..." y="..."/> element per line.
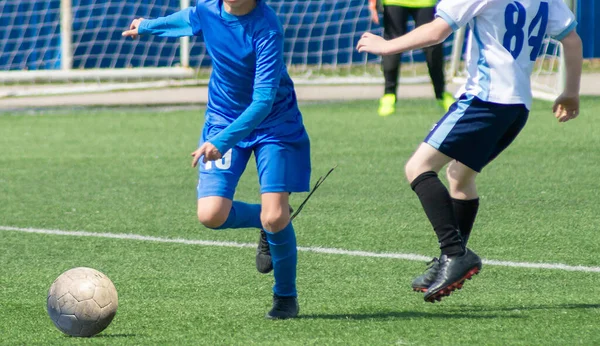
<point x="183" y="23"/>
<point x="269" y="66"/>
<point x="269" y="60"/>
<point x="240" y="128"/>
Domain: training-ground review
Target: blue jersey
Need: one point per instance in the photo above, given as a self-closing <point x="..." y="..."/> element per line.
<point x="246" y="53"/>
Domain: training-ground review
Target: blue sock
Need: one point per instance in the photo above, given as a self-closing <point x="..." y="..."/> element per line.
<point x="285" y="257"/>
<point x="243" y="215"/>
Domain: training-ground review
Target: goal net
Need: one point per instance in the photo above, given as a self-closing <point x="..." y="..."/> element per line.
<point x="72" y="46"/>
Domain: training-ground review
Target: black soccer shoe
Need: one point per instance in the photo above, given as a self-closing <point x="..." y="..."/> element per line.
<point x="422" y="283"/>
<point x="452" y="273"/>
<point x="264" y="263"/>
<point x="283" y="308"/>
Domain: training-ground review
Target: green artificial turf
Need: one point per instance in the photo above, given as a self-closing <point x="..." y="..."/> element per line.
<point x="126" y="170"/>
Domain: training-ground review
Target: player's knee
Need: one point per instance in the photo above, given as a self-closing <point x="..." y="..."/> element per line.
<point x="462" y="185"/>
<point x="411" y="170"/>
<point x="274" y="221"/>
<point x="211" y="217"/>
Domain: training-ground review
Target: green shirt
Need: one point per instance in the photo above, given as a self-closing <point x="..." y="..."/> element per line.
<point x="411" y="3"/>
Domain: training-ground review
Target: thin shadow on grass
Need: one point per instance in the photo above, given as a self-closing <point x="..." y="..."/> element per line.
<point x="404" y="315"/>
<point x="484" y="308"/>
<point x="116" y="335"/>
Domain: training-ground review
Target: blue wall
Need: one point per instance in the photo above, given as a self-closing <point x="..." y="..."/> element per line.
<point x="589" y="28"/>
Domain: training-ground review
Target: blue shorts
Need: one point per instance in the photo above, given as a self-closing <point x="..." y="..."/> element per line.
<point x="282" y="156"/>
<point x="474" y="132"/>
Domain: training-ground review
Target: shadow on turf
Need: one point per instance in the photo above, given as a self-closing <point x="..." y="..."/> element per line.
<point x="403" y="315"/>
<point x="115" y="336"/>
<point x="484" y="308"/>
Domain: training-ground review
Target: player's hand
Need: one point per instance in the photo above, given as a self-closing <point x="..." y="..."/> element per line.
<point x="133" y="29"/>
<point x="374" y="14"/>
<point x="566" y="107"/>
<point x="372" y="44"/>
<point x="209" y="153"/>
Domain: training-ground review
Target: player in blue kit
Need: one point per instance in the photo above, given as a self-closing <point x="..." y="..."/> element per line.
<point x="504" y="45"/>
<point x="252" y="108"/>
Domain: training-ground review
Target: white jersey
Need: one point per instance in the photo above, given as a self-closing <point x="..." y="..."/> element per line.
<point x="505" y="42"/>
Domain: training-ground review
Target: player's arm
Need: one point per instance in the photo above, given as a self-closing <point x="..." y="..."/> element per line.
<point x="561" y="26"/>
<point x="183" y="23"/>
<point x="566" y="106"/>
<point x="450" y="15"/>
<point x="424" y="36"/>
<point x="373" y="11"/>
<point x="269" y="64"/>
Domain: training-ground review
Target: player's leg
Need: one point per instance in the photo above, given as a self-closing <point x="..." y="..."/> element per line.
<point x="462" y="178"/>
<point x="453" y="137"/>
<point x="282" y="244"/>
<point x="473" y="132"/>
<point x="422" y="173"/>
<point x="465" y="199"/>
<point x="264" y="262"/>
<point x="434" y="56"/>
<point x="283" y="164"/>
<point x="394" y="25"/>
<point x="217" y="181"/>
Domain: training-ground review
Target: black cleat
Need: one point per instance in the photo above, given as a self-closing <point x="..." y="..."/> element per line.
<point x="283" y="308"/>
<point x="264" y="263"/>
<point x="452" y="273"/>
<point x="422" y="283"/>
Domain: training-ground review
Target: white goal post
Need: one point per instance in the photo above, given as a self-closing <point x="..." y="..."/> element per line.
<point x="67" y="46"/>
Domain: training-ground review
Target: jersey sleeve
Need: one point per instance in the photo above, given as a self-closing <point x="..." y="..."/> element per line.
<point x="561" y="21"/>
<point x="183" y="23"/>
<point x="269" y="60"/>
<point x="457" y="13"/>
<point x="269" y="66"/>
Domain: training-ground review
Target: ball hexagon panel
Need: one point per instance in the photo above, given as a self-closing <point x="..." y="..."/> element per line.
<point x="68" y="324"/>
<point x="67" y="304"/>
<point x="82" y="289"/>
<point x="104" y="296"/>
<point x="87" y="311"/>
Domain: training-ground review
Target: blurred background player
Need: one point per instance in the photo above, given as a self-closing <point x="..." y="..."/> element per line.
<point x="252" y="108"/>
<point x="396" y="14"/>
<point x="505" y="43"/>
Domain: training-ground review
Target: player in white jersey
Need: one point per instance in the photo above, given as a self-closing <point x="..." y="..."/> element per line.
<point x="505" y="42"/>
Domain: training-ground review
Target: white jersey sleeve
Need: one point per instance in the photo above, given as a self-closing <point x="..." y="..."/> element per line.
<point x="561" y="21"/>
<point x="457" y="13"/>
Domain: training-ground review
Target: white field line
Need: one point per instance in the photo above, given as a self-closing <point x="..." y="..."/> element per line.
<point x="330" y="251"/>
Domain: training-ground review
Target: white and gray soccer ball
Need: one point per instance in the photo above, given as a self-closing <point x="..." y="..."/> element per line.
<point x="82" y="302"/>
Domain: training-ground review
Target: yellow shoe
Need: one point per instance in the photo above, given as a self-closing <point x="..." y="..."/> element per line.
<point x="387" y="105"/>
<point x="446" y="101"/>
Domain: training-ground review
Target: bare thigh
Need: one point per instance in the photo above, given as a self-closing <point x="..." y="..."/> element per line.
<point x="425" y="159"/>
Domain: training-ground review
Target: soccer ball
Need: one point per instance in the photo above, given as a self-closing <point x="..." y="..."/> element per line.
<point x="82" y="302"/>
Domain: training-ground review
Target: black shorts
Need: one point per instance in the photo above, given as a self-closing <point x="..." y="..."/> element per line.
<point x="474" y="132"/>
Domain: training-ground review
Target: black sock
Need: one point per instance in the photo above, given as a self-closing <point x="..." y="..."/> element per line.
<point x="465" y="212"/>
<point x="437" y="204"/>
